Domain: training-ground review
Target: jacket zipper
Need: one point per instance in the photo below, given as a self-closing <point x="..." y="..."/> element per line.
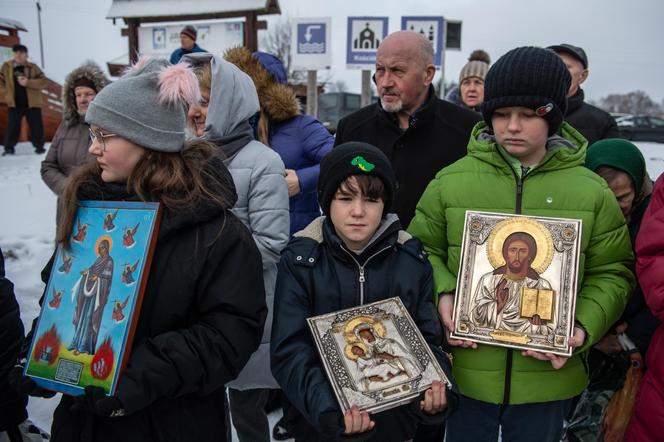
<point x="362" y="279"/>
<point x="510" y="352"/>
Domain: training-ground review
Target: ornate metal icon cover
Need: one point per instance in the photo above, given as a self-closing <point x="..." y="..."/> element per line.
<point x="517" y="281"/>
<point x="374" y="355"/>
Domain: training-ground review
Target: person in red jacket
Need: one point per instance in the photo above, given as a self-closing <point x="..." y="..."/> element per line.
<point x="648" y="420"/>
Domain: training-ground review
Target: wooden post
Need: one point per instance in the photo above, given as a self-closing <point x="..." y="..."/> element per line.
<point x="132" y="37"/>
<point x="251" y="32"/>
<point x="312" y="94"/>
<point x="365" y="99"/>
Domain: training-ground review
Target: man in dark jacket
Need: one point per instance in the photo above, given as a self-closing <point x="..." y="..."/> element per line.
<point x="418" y="132"/>
<point x="12" y="404"/>
<point x="593" y="123"/>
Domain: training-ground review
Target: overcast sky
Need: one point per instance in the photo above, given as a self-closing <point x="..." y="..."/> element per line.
<point x="624" y="40"/>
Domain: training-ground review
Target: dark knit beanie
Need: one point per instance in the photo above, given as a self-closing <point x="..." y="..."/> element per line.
<point x="619" y="154"/>
<point x="353" y="158"/>
<point x="84" y="82"/>
<point x="531" y="77"/>
<point x="190" y="32"/>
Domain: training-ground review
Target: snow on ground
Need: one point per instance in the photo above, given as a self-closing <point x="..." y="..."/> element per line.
<point x="27" y="232"/>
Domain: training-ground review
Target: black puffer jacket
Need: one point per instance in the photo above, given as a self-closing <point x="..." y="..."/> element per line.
<point x="436" y="137"/>
<point x="12" y="405"/>
<point x="593" y="123"/>
<point x="202" y="317"/>
<point x="317" y="275"/>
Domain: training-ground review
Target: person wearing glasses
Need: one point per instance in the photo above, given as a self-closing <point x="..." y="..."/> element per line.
<point x="204" y="304"/>
<point x="70" y="144"/>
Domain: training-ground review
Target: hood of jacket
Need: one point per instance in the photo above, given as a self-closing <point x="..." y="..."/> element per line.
<point x="233" y="103"/>
<point x="563" y="151"/>
<point x="89" y="70"/>
<point x="277" y="101"/>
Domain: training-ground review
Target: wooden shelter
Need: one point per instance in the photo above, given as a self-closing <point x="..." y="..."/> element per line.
<point x="135" y="12"/>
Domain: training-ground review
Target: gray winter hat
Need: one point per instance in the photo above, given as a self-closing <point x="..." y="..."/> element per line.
<point x="147" y="106"/>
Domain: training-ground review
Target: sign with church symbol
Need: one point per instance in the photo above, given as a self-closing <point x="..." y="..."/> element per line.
<point x="432" y="28"/>
<point x="517" y="281"/>
<point x="364" y="36"/>
<point x="93" y="297"/>
<point x="374" y="355"/>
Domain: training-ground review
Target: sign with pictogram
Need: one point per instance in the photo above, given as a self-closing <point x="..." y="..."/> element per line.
<point x="432" y="28"/>
<point x="364" y="36"/>
<point x="310" y="43"/>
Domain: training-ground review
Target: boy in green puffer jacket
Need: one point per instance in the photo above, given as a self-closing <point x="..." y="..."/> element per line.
<point x="517" y="164"/>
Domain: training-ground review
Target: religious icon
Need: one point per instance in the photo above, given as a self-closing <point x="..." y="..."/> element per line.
<point x="118" y="315"/>
<point x="79" y="339"/>
<point x="108" y="221"/>
<point x="56" y="299"/>
<point x="517" y="281"/>
<point x="374" y="355"/>
<point x="67" y="261"/>
<point x="128" y="236"/>
<point x="92" y="291"/>
<point x="128" y="273"/>
<point x="81" y="230"/>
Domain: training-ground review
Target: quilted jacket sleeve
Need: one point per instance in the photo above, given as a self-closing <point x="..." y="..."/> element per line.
<point x="607" y="280"/>
<point x="430" y="226"/>
<point x="294" y="359"/>
<point x="269" y="219"/>
<point x="317" y="142"/>
<point x="650" y="252"/>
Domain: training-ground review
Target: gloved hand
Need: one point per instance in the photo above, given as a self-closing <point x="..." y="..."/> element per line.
<point x="25" y="384"/>
<point x="95" y="401"/>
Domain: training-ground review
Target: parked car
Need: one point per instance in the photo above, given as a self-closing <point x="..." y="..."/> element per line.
<point x="641" y="128"/>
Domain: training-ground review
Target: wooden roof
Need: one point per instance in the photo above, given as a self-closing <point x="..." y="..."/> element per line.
<point x="179" y="10"/>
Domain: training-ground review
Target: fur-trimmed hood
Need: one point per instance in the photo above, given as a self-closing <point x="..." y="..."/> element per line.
<point x="92" y="72"/>
<point x="278" y="101"/>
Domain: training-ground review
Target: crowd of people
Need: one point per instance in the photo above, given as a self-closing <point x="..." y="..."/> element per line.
<point x="270" y="220"/>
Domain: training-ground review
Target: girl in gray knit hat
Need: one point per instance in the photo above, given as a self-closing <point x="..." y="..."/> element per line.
<point x="204" y="302"/>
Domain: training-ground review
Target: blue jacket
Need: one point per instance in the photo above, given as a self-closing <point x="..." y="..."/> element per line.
<point x="302" y="142"/>
<point x="179" y="52"/>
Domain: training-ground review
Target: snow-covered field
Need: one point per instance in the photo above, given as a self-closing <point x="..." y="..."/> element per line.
<point x="27" y="235"/>
<point x="27" y="231"/>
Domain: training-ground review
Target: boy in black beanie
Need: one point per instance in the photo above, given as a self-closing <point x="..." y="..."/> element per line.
<point x="516" y="164"/>
<point x="355" y="254"/>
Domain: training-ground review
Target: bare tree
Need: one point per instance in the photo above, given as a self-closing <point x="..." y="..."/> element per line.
<point x="637" y="102"/>
<point x="277" y="41"/>
<point x="337" y="86"/>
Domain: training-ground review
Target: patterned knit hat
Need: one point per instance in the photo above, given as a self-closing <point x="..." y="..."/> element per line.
<point x="353" y="158"/>
<point x="147" y="106"/>
<point x="532" y="77"/>
<point x="477" y="66"/>
<point x="190" y="32"/>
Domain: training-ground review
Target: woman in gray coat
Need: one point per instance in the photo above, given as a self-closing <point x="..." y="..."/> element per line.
<point x="229" y="103"/>
<point x="70" y="144"/>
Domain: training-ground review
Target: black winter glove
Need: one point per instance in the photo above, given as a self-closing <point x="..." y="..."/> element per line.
<point x="24" y="385"/>
<point x="95" y="401"/>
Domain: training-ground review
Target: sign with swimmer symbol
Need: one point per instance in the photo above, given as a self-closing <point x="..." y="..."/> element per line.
<point x="364" y="36"/>
<point x="310" y="40"/>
